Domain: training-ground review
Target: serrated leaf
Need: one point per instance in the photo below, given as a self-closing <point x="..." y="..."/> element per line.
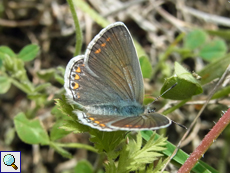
<point x="83" y="166"/>
<point x="146" y="67"/>
<point x="57" y="132"/>
<point x="5" y="84"/>
<point x="68" y="110"/>
<point x="73" y="126"/>
<point x="107" y="141"/>
<point x="186" y="87"/>
<point x="213" y="50"/>
<point x="60" y="150"/>
<point x="134" y="156"/>
<point x="195" y="39"/>
<point x="29" y="52"/>
<point x="30" y="131"/>
<point x="58" y="113"/>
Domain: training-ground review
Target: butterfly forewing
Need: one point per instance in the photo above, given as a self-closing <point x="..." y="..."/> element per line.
<point x="85" y="89"/>
<point x="112" y="57"/>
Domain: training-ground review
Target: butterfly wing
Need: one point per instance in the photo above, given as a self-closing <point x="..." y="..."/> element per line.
<point x="151" y="121"/>
<point x="108" y="73"/>
<point x="112" y="57"/>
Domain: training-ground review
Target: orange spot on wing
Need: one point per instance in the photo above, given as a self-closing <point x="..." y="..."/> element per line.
<point x="78" y="95"/>
<point x="97" y="122"/>
<point x="78" y="70"/>
<point x="128" y="125"/>
<point x="77" y="77"/>
<point x="76" y="85"/>
<point x="102" y="125"/>
<point x="103" y="44"/>
<point x="91" y="118"/>
<point x="108" y="39"/>
<point x="97" y="51"/>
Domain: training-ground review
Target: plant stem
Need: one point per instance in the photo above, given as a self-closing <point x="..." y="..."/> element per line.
<point x="206" y="143"/>
<point x="77" y="28"/>
<point x="77" y="145"/>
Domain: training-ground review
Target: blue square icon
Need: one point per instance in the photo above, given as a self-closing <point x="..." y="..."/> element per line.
<point x="10" y="161"/>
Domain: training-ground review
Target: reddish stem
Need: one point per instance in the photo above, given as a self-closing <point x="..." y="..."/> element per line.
<point x="206" y="143"/>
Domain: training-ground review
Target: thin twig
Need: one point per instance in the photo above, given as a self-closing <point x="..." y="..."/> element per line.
<point x="218" y="20"/>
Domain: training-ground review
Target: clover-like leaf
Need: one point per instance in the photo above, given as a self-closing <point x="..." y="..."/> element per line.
<point x="30" y="131"/>
<point x="215" y="49"/>
<point x="5" y="84"/>
<point x="83" y="166"/>
<point x="186" y="87"/>
<point x="29" y="52"/>
<point x="195" y="39"/>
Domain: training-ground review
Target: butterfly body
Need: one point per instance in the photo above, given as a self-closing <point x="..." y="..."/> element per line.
<point x="107" y="83"/>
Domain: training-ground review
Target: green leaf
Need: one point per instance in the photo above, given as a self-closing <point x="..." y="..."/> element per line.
<point x="60" y="150"/>
<point x="224" y="92"/>
<point x="135" y="156"/>
<point x="4" y="50"/>
<point x="29" y="52"/>
<point x="58" y="113"/>
<point x="36" y="96"/>
<point x="222" y="33"/>
<point x="56" y="132"/>
<point x="73" y="126"/>
<point x="59" y="79"/>
<point x="195" y="39"/>
<point x="9" y="136"/>
<point x="186" y="87"/>
<point x="42" y="86"/>
<point x="5" y="84"/>
<point x="107" y="141"/>
<point x="67" y="109"/>
<point x="46" y="74"/>
<point x="213" y="50"/>
<point x="83" y="166"/>
<point x="214" y="70"/>
<point x="146" y="67"/>
<point x="30" y="131"/>
<point x="61" y="69"/>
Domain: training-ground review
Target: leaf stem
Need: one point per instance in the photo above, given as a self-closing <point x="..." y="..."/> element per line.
<point x="77" y="145"/>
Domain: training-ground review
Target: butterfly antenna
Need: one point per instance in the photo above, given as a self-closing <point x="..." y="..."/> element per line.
<point x="164" y="93"/>
<point x="179" y="124"/>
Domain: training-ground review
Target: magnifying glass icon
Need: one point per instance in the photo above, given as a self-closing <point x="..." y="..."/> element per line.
<point x="9" y="160"/>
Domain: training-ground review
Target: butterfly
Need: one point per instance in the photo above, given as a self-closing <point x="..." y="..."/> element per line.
<point x="107" y="83"/>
